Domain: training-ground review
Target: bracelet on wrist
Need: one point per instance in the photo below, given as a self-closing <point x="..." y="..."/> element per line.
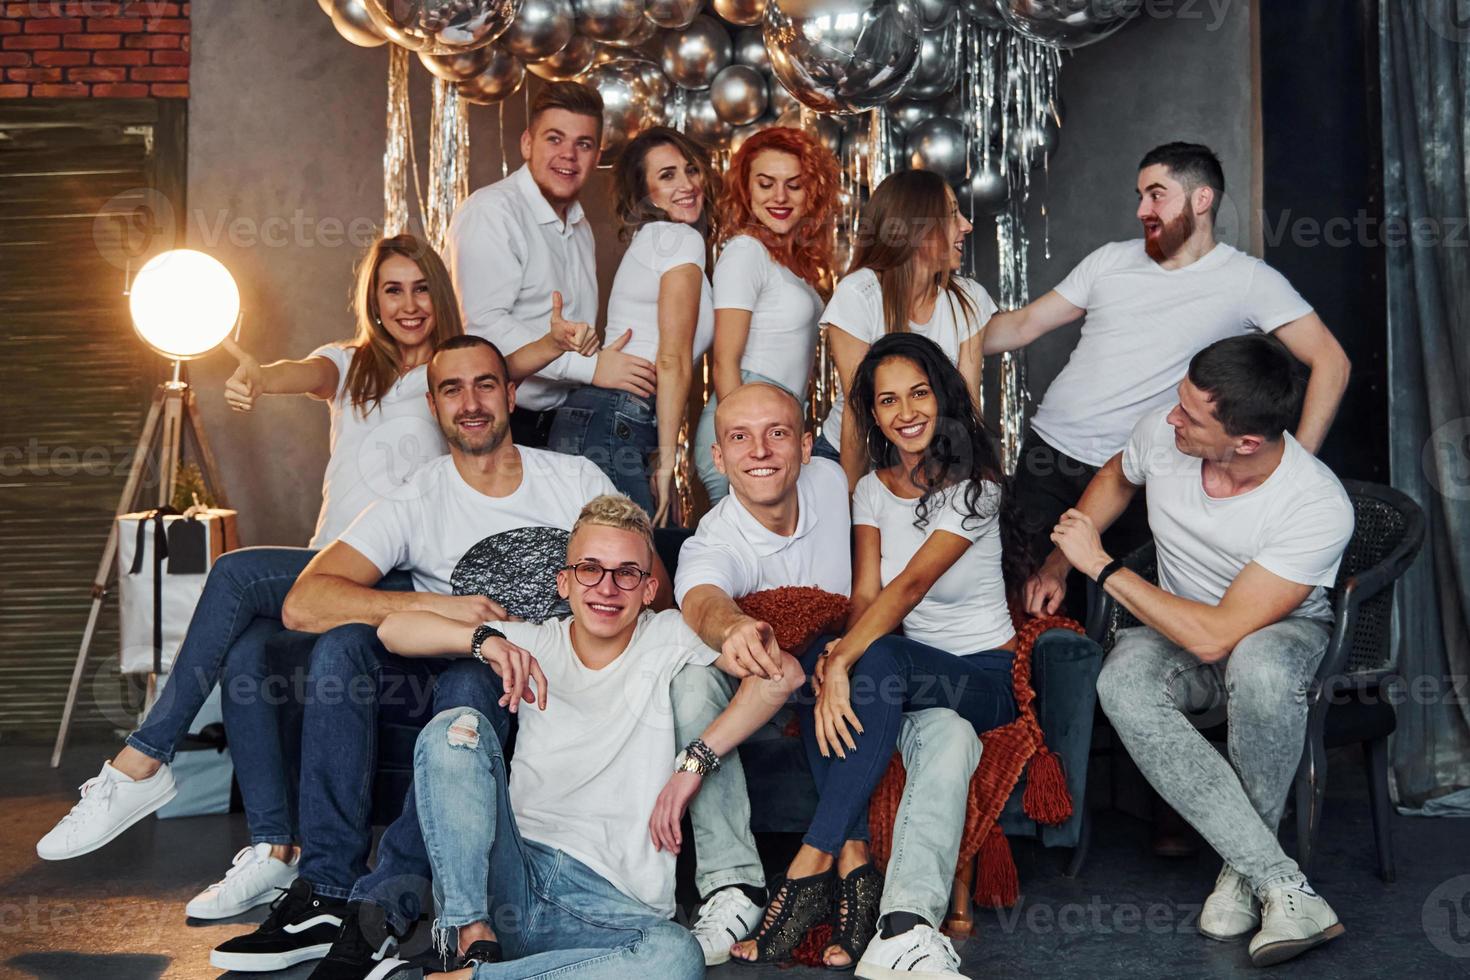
<point x="1108" y="570"/>
<point x="482" y="633"/>
<point x="697" y="758"/>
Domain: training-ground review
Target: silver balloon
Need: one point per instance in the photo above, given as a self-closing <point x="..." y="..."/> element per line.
<point x="654" y="81"/>
<point x="567" y="63"/>
<point x="442" y="26"/>
<point x="694" y="56"/>
<point x="937" y="13"/>
<point x="626" y="105"/>
<point x="352" y="21"/>
<point x="702" y="122"/>
<point x="457" y="67"/>
<point x="503" y="75"/>
<point x="824" y="128"/>
<point x="939" y="63"/>
<point x="1067" y="23"/>
<point x="908" y="113"/>
<point x="741" y="12"/>
<point x="645" y="30"/>
<point x="844" y="55"/>
<point x="743" y="133"/>
<point x="750" y="49"/>
<point x="986" y="13"/>
<point x="540" y="30"/>
<point x="986" y="192"/>
<point x="673" y="14"/>
<point x="608" y="20"/>
<point x="1037" y="143"/>
<point x="780" y="100"/>
<point x="738" y="94"/>
<point x="938" y="144"/>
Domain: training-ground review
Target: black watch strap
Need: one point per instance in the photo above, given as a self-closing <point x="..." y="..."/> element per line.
<point x="1107" y="570"/>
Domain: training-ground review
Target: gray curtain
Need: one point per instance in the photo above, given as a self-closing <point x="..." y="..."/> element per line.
<point x="1425" y="73"/>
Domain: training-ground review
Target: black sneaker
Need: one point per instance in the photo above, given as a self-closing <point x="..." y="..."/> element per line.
<point x="480" y="951"/>
<point x="361" y="947"/>
<point x="301" y="927"/>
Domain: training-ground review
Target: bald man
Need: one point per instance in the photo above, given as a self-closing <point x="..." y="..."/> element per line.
<point x="786" y="523"/>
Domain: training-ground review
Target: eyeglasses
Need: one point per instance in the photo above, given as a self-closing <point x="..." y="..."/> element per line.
<point x="590" y="574"/>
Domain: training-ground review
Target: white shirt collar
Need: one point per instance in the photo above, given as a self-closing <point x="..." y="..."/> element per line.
<point x="541" y="208"/>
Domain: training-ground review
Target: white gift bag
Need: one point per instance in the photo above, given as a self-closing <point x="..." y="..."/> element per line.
<point x="162" y="561"/>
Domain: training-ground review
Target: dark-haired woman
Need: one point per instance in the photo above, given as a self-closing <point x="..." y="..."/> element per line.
<point x="902" y="279"/>
<point x="663" y="182"/>
<point x="929" y="524"/>
<point x="381" y="432"/>
<point x="776" y="227"/>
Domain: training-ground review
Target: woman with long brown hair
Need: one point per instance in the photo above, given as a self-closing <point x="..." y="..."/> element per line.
<point x="375" y="384"/>
<point x="662" y="185"/>
<point x="775" y="264"/>
<point x="902" y="278"/>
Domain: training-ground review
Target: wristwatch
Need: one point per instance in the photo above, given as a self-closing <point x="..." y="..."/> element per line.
<point x="483" y="632"/>
<point x="697" y="758"/>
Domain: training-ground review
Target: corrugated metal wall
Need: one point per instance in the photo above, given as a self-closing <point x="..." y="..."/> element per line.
<point x="84" y="185"/>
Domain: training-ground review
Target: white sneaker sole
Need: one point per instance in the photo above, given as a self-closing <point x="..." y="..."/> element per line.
<point x="1280" y="952"/>
<point x="264" y="962"/>
<point x="872" y="971"/>
<point x="210" y="910"/>
<point x="139" y="812"/>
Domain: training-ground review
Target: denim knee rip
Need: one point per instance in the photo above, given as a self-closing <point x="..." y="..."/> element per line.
<point x="464" y="732"/>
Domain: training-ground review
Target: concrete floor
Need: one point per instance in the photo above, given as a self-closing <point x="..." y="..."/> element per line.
<point x="118" y="914"/>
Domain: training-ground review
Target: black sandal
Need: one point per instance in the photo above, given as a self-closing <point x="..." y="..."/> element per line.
<point x="855" y="918"/>
<point x="796" y="905"/>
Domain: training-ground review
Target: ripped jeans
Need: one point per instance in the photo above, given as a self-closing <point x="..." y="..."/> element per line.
<point x="1150" y="685"/>
<point x="552" y="914"/>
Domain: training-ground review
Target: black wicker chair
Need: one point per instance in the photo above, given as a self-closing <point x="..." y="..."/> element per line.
<point x="1347" y="705"/>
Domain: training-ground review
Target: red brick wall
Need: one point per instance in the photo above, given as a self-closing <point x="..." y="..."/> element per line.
<point x="120" y="49"/>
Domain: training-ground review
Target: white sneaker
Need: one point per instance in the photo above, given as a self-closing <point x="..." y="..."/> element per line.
<point x="1231" y="910"/>
<point x="920" y="952"/>
<point x="255" y="878"/>
<point x="111" y="803"/>
<point x="726" y="919"/>
<point x="1293" y="920"/>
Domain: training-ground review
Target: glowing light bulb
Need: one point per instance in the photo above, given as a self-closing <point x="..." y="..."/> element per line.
<point x="184" y="303"/>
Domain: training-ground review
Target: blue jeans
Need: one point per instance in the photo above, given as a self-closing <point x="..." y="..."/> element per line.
<point x="238" y="612"/>
<point x="1149" y="687"/>
<point x="895" y="675"/>
<point x="553" y="914"/>
<point x="714" y="481"/>
<point x="399" y="880"/>
<point x="345" y="690"/>
<point x="821" y="447"/>
<point x="616" y="430"/>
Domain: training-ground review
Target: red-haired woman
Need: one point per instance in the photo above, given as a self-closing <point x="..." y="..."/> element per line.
<point x="775" y="216"/>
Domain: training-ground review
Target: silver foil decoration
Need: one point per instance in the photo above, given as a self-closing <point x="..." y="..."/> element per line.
<point x="449" y="161"/>
<point x="396" y="152"/>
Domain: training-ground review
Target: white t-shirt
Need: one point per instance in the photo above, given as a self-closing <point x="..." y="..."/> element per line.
<point x="373" y="456"/>
<point x="589" y="768"/>
<point x="785" y="312"/>
<point x="964" y="611"/>
<point x="1143" y="325"/>
<point x="632" y="305"/>
<point x="507" y="253"/>
<point x="456" y="540"/>
<point x="856" y="308"/>
<point x="1294" y="525"/>
<point x="738" y="554"/>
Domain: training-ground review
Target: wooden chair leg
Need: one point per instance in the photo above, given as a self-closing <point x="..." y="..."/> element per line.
<point x="960" y="921"/>
<point x="1375" y="764"/>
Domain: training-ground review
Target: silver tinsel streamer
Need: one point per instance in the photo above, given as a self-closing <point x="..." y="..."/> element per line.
<point x="449" y="161"/>
<point x="396" y="152"/>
